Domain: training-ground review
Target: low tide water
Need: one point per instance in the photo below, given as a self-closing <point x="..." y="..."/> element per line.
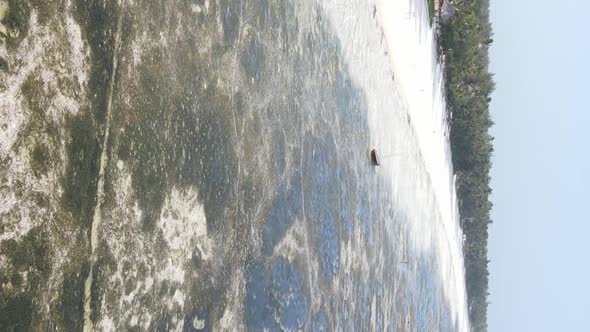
<point x="224" y="147"/>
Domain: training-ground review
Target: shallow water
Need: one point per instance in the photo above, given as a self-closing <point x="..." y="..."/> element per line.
<point x="232" y="184"/>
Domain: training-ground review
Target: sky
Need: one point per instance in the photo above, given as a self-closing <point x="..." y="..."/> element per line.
<point x="540" y="239"/>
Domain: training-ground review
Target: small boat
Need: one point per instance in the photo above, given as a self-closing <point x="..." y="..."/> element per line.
<point x="374" y="158"/>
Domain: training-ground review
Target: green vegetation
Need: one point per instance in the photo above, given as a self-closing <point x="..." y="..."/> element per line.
<point x="465" y="41"/>
<point x="431" y="10"/>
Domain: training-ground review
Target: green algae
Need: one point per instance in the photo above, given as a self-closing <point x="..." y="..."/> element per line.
<point x="32" y="91"/>
<point x="16" y="22"/>
<point x="81" y="176"/>
<point x="30" y="256"/>
<point x="4" y="65"/>
<point x="30" y="253"/>
<point x="39" y="160"/>
<point x="3" y="9"/>
<point x="46" y="9"/>
<point x="15" y="312"/>
<point x="105" y="264"/>
<point x="72" y="298"/>
<point x="178" y="134"/>
<point x="98" y="23"/>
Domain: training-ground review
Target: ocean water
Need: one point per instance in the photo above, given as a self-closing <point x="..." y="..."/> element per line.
<point x="204" y="165"/>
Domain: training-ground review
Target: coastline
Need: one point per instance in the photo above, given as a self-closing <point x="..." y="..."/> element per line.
<point x="464" y="36"/>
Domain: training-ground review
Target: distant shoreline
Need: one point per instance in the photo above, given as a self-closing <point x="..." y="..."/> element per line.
<point x="464" y="41"/>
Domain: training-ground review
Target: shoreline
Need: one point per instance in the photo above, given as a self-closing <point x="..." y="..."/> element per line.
<point x="466" y="75"/>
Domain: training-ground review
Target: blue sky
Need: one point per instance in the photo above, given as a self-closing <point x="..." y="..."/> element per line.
<point x="540" y="238"/>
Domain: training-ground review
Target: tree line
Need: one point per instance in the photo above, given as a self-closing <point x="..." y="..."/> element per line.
<point x="465" y="40"/>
